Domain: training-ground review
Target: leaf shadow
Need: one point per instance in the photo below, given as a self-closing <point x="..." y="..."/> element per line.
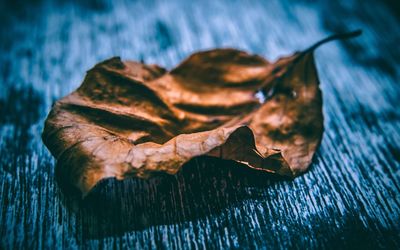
<point x="205" y="186"/>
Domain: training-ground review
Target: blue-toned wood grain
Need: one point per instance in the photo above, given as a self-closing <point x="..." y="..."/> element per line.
<point x="350" y="198"/>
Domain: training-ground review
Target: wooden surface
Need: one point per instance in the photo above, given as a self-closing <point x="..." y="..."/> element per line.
<point x="349" y="199"/>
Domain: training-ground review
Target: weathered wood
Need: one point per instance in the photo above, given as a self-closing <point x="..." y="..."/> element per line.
<point x="350" y="198"/>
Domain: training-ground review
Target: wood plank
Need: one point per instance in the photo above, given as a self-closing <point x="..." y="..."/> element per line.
<point x="349" y="199"/>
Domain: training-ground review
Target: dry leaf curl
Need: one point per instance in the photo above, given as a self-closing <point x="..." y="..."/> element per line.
<point x="132" y="119"/>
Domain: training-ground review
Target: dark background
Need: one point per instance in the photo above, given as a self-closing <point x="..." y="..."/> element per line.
<point x="349" y="199"/>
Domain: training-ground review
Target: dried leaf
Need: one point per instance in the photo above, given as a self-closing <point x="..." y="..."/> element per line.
<point x="131" y="119"/>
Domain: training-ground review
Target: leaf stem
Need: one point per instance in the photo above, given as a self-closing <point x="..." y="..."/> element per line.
<point x="272" y="90"/>
<point x="339" y="36"/>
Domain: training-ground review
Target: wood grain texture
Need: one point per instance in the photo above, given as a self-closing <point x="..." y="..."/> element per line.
<point x="349" y="199"/>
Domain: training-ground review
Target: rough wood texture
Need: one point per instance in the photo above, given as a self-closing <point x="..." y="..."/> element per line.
<point x="350" y="198"/>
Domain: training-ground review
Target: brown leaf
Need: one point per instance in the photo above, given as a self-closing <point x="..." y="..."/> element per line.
<point x="131" y="119"/>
